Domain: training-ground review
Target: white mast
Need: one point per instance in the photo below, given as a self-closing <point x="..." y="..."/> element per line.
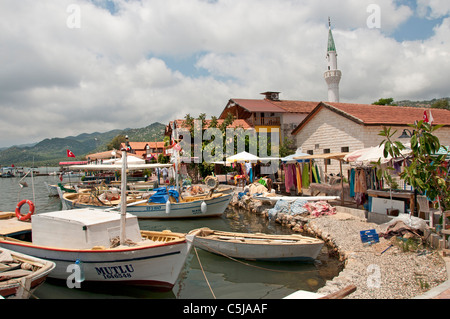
<point x="123" y="199"/>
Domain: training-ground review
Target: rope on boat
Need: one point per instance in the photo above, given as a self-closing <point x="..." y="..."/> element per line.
<point x="27" y="290"/>
<point x="204" y="275"/>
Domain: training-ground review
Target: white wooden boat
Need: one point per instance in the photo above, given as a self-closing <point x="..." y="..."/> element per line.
<point x="186" y="207"/>
<point x="91" y="200"/>
<point x="258" y="246"/>
<point x="53" y="188"/>
<point x="142" y="206"/>
<point x="151" y="258"/>
<point x="106" y="246"/>
<point x="20" y="274"/>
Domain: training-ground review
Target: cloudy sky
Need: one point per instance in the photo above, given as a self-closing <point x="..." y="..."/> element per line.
<point x="81" y="66"/>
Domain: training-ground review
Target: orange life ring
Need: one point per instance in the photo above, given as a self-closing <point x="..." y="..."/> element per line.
<point x="30" y="212"/>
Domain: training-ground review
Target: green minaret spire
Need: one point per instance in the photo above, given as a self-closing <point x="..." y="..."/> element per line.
<point x="331" y="45"/>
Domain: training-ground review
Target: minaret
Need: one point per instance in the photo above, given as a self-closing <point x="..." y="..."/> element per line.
<point x="333" y="75"/>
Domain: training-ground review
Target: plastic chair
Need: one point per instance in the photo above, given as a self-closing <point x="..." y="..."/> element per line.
<point x="424" y="207"/>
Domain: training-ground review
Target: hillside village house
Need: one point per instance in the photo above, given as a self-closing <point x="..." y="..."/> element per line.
<point x="269" y="113"/>
<point x="146" y="150"/>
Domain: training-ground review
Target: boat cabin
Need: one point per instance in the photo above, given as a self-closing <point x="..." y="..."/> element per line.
<point x="81" y="228"/>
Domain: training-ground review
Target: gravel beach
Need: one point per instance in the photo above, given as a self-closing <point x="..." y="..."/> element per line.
<point x="394" y="274"/>
<point x="382" y="270"/>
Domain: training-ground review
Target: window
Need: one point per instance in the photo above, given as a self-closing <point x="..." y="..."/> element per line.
<point x="310" y="152"/>
<point x="345" y="149"/>
<point x="327" y="161"/>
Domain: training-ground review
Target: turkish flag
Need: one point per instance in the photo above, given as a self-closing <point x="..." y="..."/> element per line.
<point x="70" y="154"/>
<point x="425" y="117"/>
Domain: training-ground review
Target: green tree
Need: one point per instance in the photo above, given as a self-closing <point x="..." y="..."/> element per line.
<point x="425" y="173"/>
<point x="286" y="148"/>
<point x="441" y="104"/>
<point x="116" y="142"/>
<point x="387" y="101"/>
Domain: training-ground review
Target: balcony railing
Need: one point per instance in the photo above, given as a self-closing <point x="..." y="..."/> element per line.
<point x="264" y="121"/>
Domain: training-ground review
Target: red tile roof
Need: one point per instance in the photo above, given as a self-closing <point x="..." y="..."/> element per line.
<point x="258" y="105"/>
<point x="103" y="155"/>
<point x="272" y="106"/>
<point x="141" y="145"/>
<point x="367" y="114"/>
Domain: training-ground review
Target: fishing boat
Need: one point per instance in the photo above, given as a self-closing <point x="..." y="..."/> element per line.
<point x="53" y="188"/>
<point x="94" y="199"/>
<point x="258" y="246"/>
<point x="162" y="205"/>
<point x="21" y="275"/>
<point x="156" y="204"/>
<point x="100" y="246"/>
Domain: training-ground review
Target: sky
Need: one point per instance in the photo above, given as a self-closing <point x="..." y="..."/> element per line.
<point x="81" y="66"/>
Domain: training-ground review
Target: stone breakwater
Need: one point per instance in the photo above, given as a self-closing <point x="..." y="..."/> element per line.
<point x="379" y="271"/>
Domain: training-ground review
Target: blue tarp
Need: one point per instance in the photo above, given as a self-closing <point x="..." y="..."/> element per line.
<point x="162" y="196"/>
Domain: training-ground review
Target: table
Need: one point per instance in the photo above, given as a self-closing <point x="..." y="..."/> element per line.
<point x="395" y="194"/>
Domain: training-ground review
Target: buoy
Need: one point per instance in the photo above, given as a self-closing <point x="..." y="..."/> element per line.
<point x="19" y="206"/>
<point x="204" y="207"/>
<point x="167" y="207"/>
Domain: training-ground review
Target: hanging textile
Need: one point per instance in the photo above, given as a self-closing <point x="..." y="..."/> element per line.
<point x="286" y="177"/>
<point x="299" y="178"/>
<point x="352" y="182"/>
<point x="290" y="177"/>
<point x="360" y="181"/>
<point x="317" y="174"/>
<point x="305" y="175"/>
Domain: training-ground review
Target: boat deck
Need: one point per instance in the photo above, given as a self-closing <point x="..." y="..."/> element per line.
<point x="11" y="225"/>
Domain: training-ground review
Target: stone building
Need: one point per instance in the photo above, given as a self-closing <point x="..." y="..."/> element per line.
<point x="345" y="127"/>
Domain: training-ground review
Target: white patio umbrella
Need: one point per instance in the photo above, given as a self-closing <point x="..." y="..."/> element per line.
<point x="242" y="157"/>
<point x="372" y="154"/>
<point x="131" y="160"/>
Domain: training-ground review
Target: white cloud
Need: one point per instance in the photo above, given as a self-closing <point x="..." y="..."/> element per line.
<point x="111" y="72"/>
<point x="433" y="9"/>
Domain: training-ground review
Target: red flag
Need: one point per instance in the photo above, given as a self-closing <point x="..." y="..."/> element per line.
<point x="425" y="117"/>
<point x="70" y="154"/>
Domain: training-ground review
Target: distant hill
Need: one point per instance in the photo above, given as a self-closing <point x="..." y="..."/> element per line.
<point x="426" y="103"/>
<point x="50" y="152"/>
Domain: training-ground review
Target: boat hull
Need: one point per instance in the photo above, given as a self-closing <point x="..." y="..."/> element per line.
<point x="156" y="266"/>
<point x="261" y="248"/>
<point x="22" y="288"/>
<point x="193" y="209"/>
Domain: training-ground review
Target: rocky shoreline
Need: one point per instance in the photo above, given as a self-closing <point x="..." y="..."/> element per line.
<point x="382" y="270"/>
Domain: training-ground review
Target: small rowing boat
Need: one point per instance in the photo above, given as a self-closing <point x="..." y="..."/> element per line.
<point x="258" y="246"/>
<point x="20" y="274"/>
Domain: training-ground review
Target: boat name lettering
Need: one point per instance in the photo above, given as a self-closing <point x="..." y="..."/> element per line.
<point x="115" y="271"/>
<point x="153" y="207"/>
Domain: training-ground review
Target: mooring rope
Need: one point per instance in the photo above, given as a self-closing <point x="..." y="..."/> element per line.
<point x="204" y="275"/>
<point x="28" y="290"/>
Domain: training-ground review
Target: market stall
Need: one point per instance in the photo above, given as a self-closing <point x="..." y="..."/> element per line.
<point x="313" y="174"/>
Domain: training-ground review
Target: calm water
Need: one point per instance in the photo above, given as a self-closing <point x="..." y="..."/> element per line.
<point x="228" y="278"/>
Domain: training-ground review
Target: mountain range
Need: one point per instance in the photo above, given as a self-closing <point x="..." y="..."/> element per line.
<point x="49" y="152"/>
